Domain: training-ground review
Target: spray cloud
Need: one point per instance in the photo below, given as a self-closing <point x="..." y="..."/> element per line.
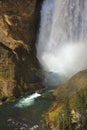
<point x="62" y="41"/>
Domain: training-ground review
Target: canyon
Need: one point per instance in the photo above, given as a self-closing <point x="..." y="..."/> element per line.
<point x="43" y="46"/>
<point x="19" y="67"/>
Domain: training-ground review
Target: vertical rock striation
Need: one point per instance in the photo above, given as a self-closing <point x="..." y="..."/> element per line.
<point x="18" y="63"/>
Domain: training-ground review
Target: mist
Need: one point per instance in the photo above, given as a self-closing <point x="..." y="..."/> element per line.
<point x="62" y="41"/>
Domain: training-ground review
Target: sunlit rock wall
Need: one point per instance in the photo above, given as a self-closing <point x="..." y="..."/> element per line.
<point x="19" y="67"/>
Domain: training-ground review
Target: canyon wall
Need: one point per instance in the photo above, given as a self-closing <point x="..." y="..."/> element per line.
<point x="19" y="67"/>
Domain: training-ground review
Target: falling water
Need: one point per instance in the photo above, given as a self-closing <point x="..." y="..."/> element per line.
<point x="62" y="40"/>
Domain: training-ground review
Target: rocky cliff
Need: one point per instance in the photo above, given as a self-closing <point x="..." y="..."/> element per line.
<point x="19" y="67"/>
<point x="70" y="89"/>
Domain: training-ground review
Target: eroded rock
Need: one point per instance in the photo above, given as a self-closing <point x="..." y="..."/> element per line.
<point x="19" y="66"/>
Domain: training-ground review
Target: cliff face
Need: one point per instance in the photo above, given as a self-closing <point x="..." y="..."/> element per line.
<point x="18" y="63"/>
<point x="70" y="89"/>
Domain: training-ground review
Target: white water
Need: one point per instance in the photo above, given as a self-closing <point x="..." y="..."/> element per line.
<point x="34" y="127"/>
<point x="62" y="40"/>
<point x="27" y="101"/>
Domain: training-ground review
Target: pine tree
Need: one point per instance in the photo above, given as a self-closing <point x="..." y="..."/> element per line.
<point x="65" y="117"/>
<point x="61" y="121"/>
<point x="81" y="108"/>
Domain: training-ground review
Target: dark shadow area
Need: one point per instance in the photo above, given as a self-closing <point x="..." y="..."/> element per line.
<point x="5" y="47"/>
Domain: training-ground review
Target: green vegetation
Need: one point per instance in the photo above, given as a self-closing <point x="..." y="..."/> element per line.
<point x="75" y="89"/>
<point x="74" y="118"/>
<point x="65" y="116"/>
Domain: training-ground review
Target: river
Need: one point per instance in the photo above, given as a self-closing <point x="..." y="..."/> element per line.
<point x="24" y="114"/>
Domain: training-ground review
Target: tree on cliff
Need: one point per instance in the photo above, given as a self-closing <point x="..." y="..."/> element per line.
<point x="68" y="122"/>
<point x="81" y="108"/>
<point x="65" y="117"/>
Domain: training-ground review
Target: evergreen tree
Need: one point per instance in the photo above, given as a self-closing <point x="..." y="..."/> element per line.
<point x="65" y="117"/>
<point x="81" y="108"/>
<point x="61" y="121"/>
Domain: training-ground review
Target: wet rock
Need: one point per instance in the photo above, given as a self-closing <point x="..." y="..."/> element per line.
<point x="1" y="103"/>
<point x="10" y="120"/>
<point x="3" y="99"/>
<point x="49" y="95"/>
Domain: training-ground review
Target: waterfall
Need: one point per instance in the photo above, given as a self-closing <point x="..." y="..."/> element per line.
<point x="62" y="41"/>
